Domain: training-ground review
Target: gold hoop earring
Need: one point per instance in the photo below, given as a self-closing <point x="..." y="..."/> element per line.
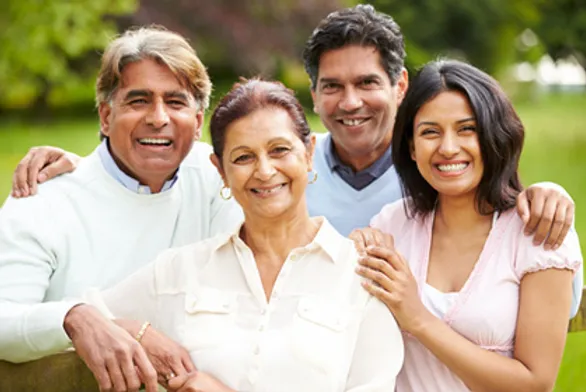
<point x="314" y="179"/>
<point x="223" y="192"/>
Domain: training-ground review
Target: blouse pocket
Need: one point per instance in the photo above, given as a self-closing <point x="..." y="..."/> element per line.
<point x="209" y="314"/>
<point x="319" y="333"/>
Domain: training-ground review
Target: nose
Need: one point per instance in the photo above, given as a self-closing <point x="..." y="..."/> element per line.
<point x="264" y="168"/>
<point x="450" y="145"/>
<point x="157" y="115"/>
<point x="351" y="100"/>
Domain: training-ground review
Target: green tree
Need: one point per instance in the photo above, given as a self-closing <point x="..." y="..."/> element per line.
<point x="481" y="32"/>
<point x="562" y="29"/>
<point x="49" y="49"/>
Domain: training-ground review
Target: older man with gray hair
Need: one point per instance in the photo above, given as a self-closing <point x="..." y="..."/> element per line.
<point x="145" y="188"/>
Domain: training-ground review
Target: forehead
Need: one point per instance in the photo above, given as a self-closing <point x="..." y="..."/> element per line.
<point x="447" y="105"/>
<point x="150" y="75"/>
<point x="260" y="126"/>
<point x="350" y="61"/>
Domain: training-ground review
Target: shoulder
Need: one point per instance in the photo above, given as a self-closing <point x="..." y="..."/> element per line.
<point x="175" y="267"/>
<point x="531" y="258"/>
<point x="392" y="218"/>
<point x="198" y="166"/>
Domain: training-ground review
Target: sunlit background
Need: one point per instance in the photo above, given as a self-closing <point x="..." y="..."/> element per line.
<point x="535" y="48"/>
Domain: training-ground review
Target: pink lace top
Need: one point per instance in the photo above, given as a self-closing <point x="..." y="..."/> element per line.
<point x="485" y="310"/>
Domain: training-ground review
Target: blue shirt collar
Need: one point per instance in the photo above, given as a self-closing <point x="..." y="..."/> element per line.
<point x="361" y="179"/>
<point x="129" y="183"/>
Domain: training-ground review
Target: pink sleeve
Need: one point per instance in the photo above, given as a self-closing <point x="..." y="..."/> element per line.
<point x="531" y="258"/>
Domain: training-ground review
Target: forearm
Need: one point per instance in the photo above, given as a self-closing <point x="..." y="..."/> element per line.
<point x="29" y="332"/>
<point x="479" y="369"/>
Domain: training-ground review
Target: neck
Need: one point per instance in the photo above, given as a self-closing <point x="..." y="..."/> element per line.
<point x="459" y="215"/>
<point x="278" y="236"/>
<point x="362" y="161"/>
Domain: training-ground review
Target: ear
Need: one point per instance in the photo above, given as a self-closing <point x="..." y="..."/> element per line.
<point x="402" y="85"/>
<point x="216" y="161"/>
<point x="314" y="99"/>
<point x="199" y="118"/>
<point x="412" y="149"/>
<point x="310" y="151"/>
<point x="105" y="112"/>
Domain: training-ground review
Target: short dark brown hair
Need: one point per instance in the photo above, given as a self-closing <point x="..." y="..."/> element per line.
<point x="248" y="96"/>
<point x="360" y="25"/>
<point x="500" y="135"/>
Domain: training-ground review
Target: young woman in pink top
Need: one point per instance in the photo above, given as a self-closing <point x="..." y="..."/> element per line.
<point x="480" y="307"/>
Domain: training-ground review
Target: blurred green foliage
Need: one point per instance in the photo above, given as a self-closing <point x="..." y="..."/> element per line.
<point x="50" y="49"/>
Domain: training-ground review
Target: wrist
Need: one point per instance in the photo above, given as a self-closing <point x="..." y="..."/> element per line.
<point x="423" y="324"/>
<point x="75" y="318"/>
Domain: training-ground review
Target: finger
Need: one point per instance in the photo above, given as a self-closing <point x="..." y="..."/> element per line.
<point x="557" y="226"/>
<point x="523" y="206"/>
<point x="187" y="362"/>
<point x="148" y="374"/>
<point x="383" y="295"/>
<point x="118" y="381"/>
<point x="537" y="201"/>
<point x="378" y="264"/>
<point x="359" y="241"/>
<point x="130" y="374"/>
<point x="179" y="381"/>
<point x="391" y="256"/>
<point x="36" y="164"/>
<point x="102" y="377"/>
<point x="19" y="178"/>
<point x="546" y="220"/>
<point x="375" y="276"/>
<point x="567" y="225"/>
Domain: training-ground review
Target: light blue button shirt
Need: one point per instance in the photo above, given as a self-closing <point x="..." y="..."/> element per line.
<point x="124" y="179"/>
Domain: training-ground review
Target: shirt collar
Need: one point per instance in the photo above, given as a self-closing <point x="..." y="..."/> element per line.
<point x="363" y="177"/>
<point x="327" y="239"/>
<point x="129" y="183"/>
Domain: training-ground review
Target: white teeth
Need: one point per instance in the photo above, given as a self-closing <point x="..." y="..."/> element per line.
<point x="150" y="140"/>
<point x="452" y="167"/>
<point x="267" y="191"/>
<point x="353" y="122"/>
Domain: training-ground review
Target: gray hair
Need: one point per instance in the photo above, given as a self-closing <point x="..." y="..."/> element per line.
<point x="166" y="47"/>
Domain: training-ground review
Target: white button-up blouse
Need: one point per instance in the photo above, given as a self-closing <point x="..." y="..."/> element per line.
<point x="319" y="331"/>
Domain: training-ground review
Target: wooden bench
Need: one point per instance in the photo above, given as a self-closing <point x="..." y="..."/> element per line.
<point x="67" y="373"/>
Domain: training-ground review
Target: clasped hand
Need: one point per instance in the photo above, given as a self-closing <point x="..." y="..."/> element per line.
<point x="389" y="278"/>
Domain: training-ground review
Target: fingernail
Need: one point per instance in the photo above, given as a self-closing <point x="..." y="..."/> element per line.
<point x="42" y="177"/>
<point x="16" y="193"/>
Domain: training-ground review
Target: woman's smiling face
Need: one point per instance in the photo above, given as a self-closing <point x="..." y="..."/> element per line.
<point x="265" y="163"/>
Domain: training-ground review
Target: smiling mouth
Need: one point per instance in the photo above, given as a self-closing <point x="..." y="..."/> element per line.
<point x="353" y="121"/>
<point x="149" y="141"/>
<point x="267" y="191"/>
<point x="452" y="167"/>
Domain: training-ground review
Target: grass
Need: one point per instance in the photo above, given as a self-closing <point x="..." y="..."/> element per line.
<point x="555" y="150"/>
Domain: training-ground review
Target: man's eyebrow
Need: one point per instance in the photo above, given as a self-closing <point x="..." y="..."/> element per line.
<point x="137" y="93"/>
<point x="328" y="80"/>
<point x="177" y="94"/>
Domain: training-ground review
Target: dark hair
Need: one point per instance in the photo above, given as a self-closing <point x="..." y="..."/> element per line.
<point x="500" y="135"/>
<point x="360" y="25"/>
<point x="251" y="95"/>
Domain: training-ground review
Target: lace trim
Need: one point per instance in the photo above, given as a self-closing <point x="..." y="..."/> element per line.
<point x="560" y="264"/>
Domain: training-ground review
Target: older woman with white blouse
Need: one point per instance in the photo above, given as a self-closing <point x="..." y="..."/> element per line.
<point x="276" y="305"/>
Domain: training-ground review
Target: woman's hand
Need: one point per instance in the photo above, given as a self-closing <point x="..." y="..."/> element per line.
<point x="168" y="357"/>
<point x="197" y="382"/>
<point x="391" y="281"/>
<point x="368" y="236"/>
